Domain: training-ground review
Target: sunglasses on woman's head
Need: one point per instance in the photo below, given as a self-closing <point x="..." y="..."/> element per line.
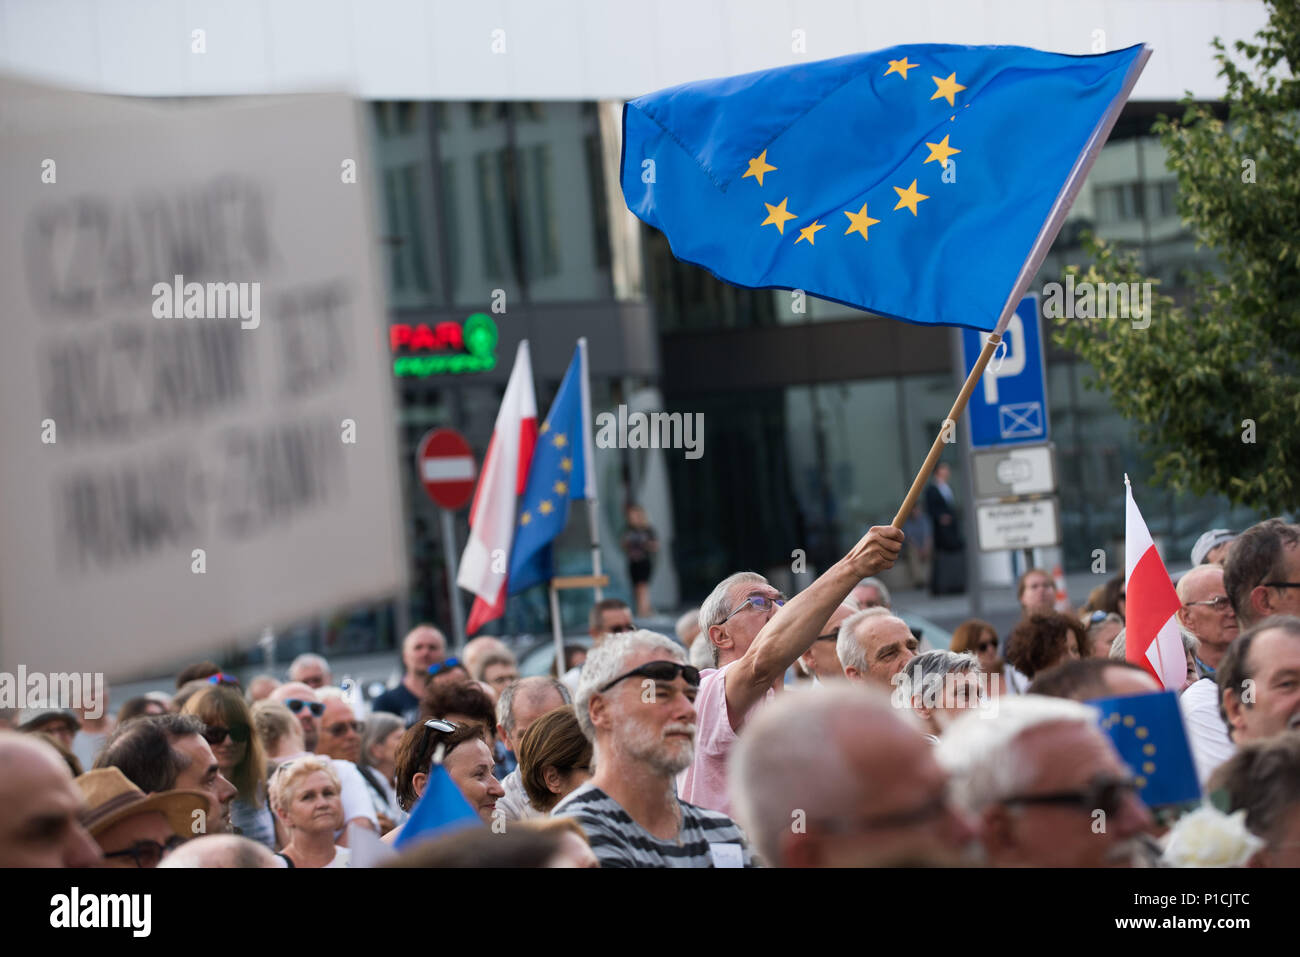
<point x="441" y="724"/>
<point x="223" y="679"/>
<point x="659" y="671"/>
<point x="440" y="667"/>
<point x="216" y="734"/>
<point x="296" y="704"/>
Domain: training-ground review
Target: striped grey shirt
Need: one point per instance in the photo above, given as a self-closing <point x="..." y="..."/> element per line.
<point x="707" y="838"/>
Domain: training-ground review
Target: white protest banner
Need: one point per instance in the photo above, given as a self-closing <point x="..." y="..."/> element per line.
<point x="196" y="410"/>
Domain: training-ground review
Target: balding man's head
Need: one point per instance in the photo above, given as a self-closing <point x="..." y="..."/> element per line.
<point x="873" y="646"/>
<point x="40" y="826"/>
<point x="480" y="648"/>
<point x="306" y="707"/>
<point x="220" y="851"/>
<point x="523" y="702"/>
<point x="855" y="772"/>
<point x="423" y="647"/>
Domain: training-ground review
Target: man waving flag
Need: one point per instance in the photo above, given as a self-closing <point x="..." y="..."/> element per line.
<point x="484" y="564"/>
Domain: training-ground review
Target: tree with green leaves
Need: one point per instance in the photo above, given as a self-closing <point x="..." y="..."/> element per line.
<point x="1212" y="386"/>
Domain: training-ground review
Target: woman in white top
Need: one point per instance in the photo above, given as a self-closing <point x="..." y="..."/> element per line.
<point x="305" y="795"/>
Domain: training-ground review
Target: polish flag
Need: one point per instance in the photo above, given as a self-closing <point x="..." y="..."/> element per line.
<point x="486" y="560"/>
<point x="1151" y="638"/>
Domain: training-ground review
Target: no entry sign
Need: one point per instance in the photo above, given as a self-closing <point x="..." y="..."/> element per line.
<point x="447" y="468"/>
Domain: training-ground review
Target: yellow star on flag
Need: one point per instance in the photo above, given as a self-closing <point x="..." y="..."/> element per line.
<point x="900" y="67"/>
<point x="909" y="197"/>
<point x="544" y="428"/>
<point x="525" y="518"/>
<point x="777" y="216"/>
<point x="566" y="464"/>
<point x="546" y="507"/>
<point x="947" y="88"/>
<point x="560" y="488"/>
<point x="941" y="151"/>
<point x="560" y="441"/>
<point x="860" y="222"/>
<point x="758" y="166"/>
<point x="808" y="232"/>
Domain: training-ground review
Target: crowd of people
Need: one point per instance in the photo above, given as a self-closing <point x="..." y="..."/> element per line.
<point x="804" y="731"/>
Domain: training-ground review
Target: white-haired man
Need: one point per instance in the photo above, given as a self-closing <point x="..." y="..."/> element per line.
<point x="939" y="686"/>
<point x="423" y="646"/>
<point x="1046" y="785"/>
<point x="312" y="670"/>
<point x="520" y="704"/>
<point x="874" y="645"/>
<point x="871" y="593"/>
<point x="856" y="778"/>
<point x="820" y="660"/>
<point x="1207" y="615"/>
<point x="635" y="703"/>
<point x="753" y="646"/>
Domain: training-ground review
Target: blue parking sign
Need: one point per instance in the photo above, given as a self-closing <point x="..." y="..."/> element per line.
<point x="1009" y="405"/>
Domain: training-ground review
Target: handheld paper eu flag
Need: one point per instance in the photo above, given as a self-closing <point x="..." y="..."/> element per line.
<point x="912" y="182"/>
<point x="558" y="474"/>
<point x="1147" y="730"/>
<point x="441" y="810"/>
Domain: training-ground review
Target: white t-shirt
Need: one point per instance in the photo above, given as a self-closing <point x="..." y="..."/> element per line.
<point x="341" y="855"/>
<point x="1206" y="732"/>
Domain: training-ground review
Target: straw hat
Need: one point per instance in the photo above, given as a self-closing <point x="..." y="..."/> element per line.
<point x="110" y="797"/>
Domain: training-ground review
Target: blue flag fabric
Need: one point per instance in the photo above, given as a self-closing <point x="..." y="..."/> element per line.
<point x="557" y="475"/>
<point x="911" y="182"/>
<point x="1147" y="730"/>
<point x="441" y="810"/>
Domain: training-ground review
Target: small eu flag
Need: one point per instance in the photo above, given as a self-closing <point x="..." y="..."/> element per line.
<point x="912" y="182"/>
<point x="558" y="474"/>
<point x="1147" y="730"/>
<point x="441" y="810"/>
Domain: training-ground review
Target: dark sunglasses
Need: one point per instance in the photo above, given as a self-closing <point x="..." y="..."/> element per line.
<point x="223" y="679"/>
<point x="619" y="629"/>
<point x="1103" y="794"/>
<point x="440" y="667"/>
<point x="216" y="734"/>
<point x="342" y="727"/>
<point x="659" y="671"/>
<point x="148" y="853"/>
<point x="984" y="646"/>
<point x="295" y="705"/>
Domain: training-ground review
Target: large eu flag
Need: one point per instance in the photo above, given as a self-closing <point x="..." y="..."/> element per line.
<point x="1147" y="731"/>
<point x="558" y="474"/>
<point x="912" y="182"/>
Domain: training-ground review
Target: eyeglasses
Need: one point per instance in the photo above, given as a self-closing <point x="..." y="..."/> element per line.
<point x="984" y="646"/>
<point x="216" y="734"/>
<point x="223" y="679"/>
<point x="440" y="667"/>
<point x="829" y="636"/>
<point x="659" y="671"/>
<point x="343" y="726"/>
<point x="148" y="853"/>
<point x="1281" y="584"/>
<point x="761" y="602"/>
<point x="296" y="704"/>
<point x="619" y="629"/>
<point x="1104" y="794"/>
<point x="1218" y="602"/>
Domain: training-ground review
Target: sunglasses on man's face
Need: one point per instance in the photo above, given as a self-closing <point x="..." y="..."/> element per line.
<point x="342" y="727"/>
<point x="148" y="853"/>
<point x="297" y="704"/>
<point x="1103" y="794"/>
<point x="440" y="667"/>
<point x="659" y="671"/>
<point x="759" y="602"/>
<point x="215" y="734"/>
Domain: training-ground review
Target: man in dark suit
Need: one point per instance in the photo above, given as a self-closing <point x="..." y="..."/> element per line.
<point x="948" y="571"/>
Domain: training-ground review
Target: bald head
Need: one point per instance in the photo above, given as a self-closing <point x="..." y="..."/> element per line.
<point x="481" y="648"/>
<point x="523" y="702"/>
<point x="297" y="695"/>
<point x="40" y="825"/>
<point x="837" y="755"/>
<point x="423" y="647"/>
<point x="220" y="851"/>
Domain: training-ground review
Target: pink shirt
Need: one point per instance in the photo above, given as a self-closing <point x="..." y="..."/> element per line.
<point x="704" y="783"/>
